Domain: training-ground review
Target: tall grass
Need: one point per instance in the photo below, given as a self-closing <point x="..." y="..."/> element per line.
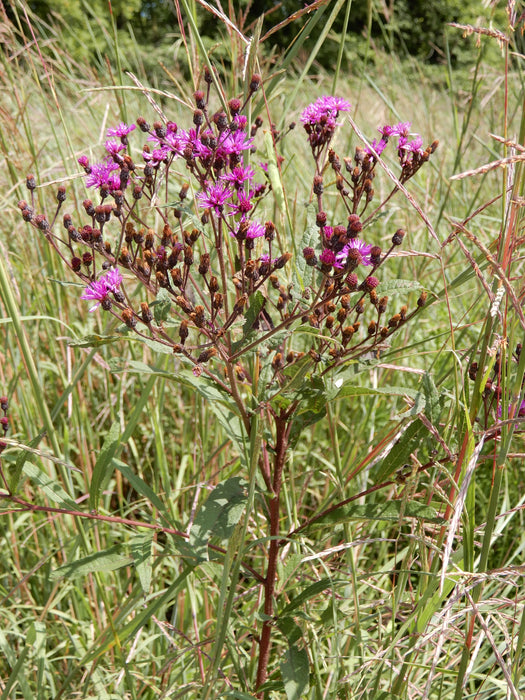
<point x="94" y="601"/>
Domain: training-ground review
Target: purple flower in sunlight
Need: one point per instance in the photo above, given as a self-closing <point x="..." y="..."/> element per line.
<point x="113" y="147"/>
<point x="214" y="197"/>
<point x="84" y="162"/>
<point x="358" y="250"/>
<point x="319" y="118"/>
<point x="238" y="176"/>
<point x="243" y="204"/>
<point x="378" y="146"/>
<point x="101" y="174"/>
<point x="414" y="146"/>
<point x="324" y="108"/>
<point x="157" y="156"/>
<point x="327" y="257"/>
<point x="121" y="130"/>
<point x="255" y="230"/>
<point x="98" y="290"/>
<point x="401" y="129"/>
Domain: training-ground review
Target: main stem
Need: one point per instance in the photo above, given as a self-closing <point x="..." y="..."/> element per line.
<point x="282" y="429"/>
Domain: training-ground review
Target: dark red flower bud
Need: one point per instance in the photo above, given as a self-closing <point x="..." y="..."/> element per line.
<point x="199" y="99"/>
<point x="375" y="255"/>
<point x="4" y="403"/>
<point x="255" y="82"/>
<point x="30" y="182"/>
<point x="398" y="236"/>
<point x="61" y="194"/>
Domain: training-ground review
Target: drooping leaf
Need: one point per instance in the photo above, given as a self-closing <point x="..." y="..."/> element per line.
<point x="107" y="560"/>
<point x="141" y="553"/>
<point x="393" y="287"/>
<point x="51" y="488"/>
<point x="347" y="390"/>
<point x="93" y="341"/>
<point x="161" y="306"/>
<point x="219" y="515"/>
<point x="303" y="273"/>
<point x="389" y="511"/>
<point x="402" y="449"/>
<point x="311" y="591"/>
<point x="103" y="469"/>
<point x="295" y="673"/>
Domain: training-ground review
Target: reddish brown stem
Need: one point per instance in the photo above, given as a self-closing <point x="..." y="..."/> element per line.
<point x="282" y="426"/>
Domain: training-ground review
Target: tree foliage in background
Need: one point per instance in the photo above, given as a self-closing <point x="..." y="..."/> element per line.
<point x="412" y="28"/>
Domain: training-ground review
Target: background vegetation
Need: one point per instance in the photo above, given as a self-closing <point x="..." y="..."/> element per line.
<point x="398" y="608"/>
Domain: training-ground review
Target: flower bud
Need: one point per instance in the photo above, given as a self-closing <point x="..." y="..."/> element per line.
<point x="398" y="236"/>
<point x="30" y="182"/>
<point x="206" y="355"/>
<point x="145" y="313"/>
<point x="128" y="318"/>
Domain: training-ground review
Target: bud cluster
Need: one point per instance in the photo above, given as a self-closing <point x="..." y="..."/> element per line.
<point x="183" y="217"/>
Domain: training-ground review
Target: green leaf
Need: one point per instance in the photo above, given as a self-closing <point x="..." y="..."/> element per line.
<point x="295" y="673"/>
<point x="393" y="287"/>
<point x="310" y="592"/>
<point x="93" y="341"/>
<point x="102" y="470"/>
<point x="52" y="489"/>
<point x="432" y="402"/>
<point x="401" y="451"/>
<point x="141" y="487"/>
<point x="348" y="390"/>
<point x="273" y="171"/>
<point x="161" y="306"/>
<point x="219" y="515"/>
<point x="107" y="560"/>
<point x="141" y="553"/>
<point x="257" y="302"/>
<point x="390" y="511"/>
<point x="303" y="273"/>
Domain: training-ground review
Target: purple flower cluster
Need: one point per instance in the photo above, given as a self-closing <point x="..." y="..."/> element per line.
<point x="320" y="119"/>
<point x="405" y="147"/>
<point x="99" y="290"/>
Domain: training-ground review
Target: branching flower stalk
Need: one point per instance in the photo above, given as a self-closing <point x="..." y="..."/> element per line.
<point x="219" y="288"/>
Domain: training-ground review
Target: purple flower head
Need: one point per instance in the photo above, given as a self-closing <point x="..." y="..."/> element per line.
<point x="214" y="197"/>
<point x="233" y="143"/>
<point x="121" y="130"/>
<point x="157" y="156"/>
<point x="327" y="257"/>
<point x="401" y="129"/>
<point x="103" y="174"/>
<point x="414" y="146"/>
<point x="378" y="146"/>
<point x="319" y="118"/>
<point x="84" y="162"/>
<point x="255" y="230"/>
<point x="325" y="107"/>
<point x="243" y="204"/>
<point x="362" y="248"/>
<point x="98" y="291"/>
<point x="386" y="130"/>
<point x="238" y="176"/>
<point x="113" y="147"/>
<point x="241" y="121"/>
